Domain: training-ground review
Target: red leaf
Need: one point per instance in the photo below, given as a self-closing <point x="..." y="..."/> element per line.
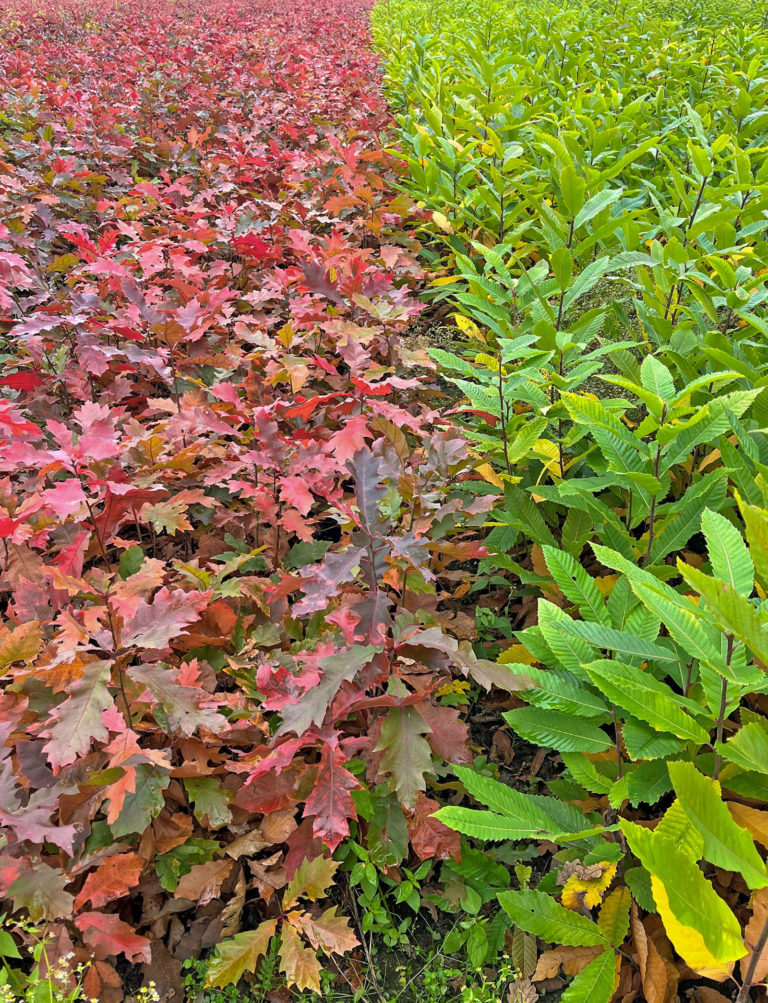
<point x="294" y="491"/>
<point x="429" y="837"/>
<point x="254" y="247"/>
<point x="350" y="438"/>
<point x="448" y="734"/>
<point x="107" y="935"/>
<point x="170" y="613"/>
<point x="330" y="801"/>
<point x="21" y="381"/>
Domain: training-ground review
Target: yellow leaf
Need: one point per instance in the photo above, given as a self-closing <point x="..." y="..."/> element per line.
<point x="516" y="653"/>
<point x="579" y="892"/>
<point x="444" y="280"/>
<point x="489" y="474"/>
<point x="688" y="942"/>
<point x="468" y="327"/>
<point x="442" y="221"/>
<point x="21" y="644"/>
<point x="549" y="452"/>
<point x="483" y="359"/>
<point x="605" y="584"/>
<point x="614" y="915"/>
<point x="239" y="954"/>
<point x="62" y="263"/>
<point x="285" y="335"/>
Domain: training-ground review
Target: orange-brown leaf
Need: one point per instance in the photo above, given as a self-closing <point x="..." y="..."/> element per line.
<point x="751" y="819"/>
<point x="204" y="881"/>
<point x="752" y="934"/>
<point x="297" y="962"/>
<point x="571" y="959"/>
<point x="329" y="933"/>
<point x="116" y="877"/>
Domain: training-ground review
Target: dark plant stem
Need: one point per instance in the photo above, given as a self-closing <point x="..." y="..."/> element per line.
<point x="620" y="771"/>
<point x="721" y="713"/>
<point x="687" y="686"/>
<point x="744" y="993"/>
<point x="652" y="513"/>
<point x="503" y="417"/>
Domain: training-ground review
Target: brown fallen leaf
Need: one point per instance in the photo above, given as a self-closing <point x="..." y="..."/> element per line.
<point x="522" y="991"/>
<point x="266" y="876"/>
<point x="752" y="934"/>
<point x="203" y="882"/>
<point x="165" y="971"/>
<point x="230" y="914"/>
<point x="278" y="825"/>
<point x="572" y="960"/>
<point x="656" y="983"/>
<point x="247" y="845"/>
<point x="751" y="819"/>
<point x="502" y="750"/>
<point x="704" y="994"/>
<point x="170" y="831"/>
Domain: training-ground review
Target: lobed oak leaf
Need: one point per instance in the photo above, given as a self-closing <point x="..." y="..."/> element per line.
<point x="328" y="932"/>
<point x="316" y="280"/>
<point x="167" y="516"/>
<point x="239" y="955"/>
<point x="203" y="882"/>
<point x="107" y="936"/>
<point x="448" y="734"/>
<point x="40" y="891"/>
<point x="141" y="799"/>
<point x="330" y="801"/>
<point x="406" y="752"/>
<point x="311" y="708"/>
<point x="178" y="708"/>
<point x="254" y="247"/>
<point x="294" y="491"/>
<point x="277" y="826"/>
<point x="431" y="840"/>
<point x="322" y="582"/>
<point x="350" y="438"/>
<point x="115" y="877"/>
<point x="311" y="880"/>
<point x="65" y="498"/>
<point x="297" y="962"/>
<point x="170" y="613"/>
<point x="211" y="800"/>
<point x="32" y="822"/>
<point x="247" y="845"/>
<point x="20" y="644"/>
<point x="21" y="380"/>
<point x="78" y="720"/>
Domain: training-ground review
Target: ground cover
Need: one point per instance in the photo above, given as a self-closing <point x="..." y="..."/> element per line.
<point x="285" y="595"/>
<point x="229" y="509"/>
<point x="597" y="179"/>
